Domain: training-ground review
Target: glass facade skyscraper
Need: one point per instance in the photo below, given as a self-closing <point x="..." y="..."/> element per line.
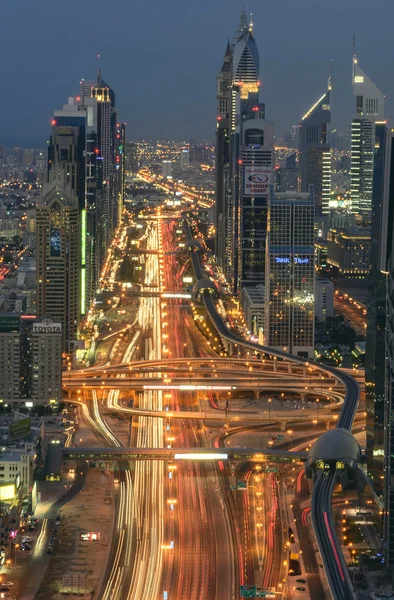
<point x="290" y="273"/>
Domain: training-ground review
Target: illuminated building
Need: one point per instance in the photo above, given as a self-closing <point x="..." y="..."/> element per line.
<point x="290" y="273"/>
<point x="375" y="353"/>
<point x="349" y="251"/>
<point x="10" y="357"/>
<point x="379" y="357"/>
<point x="369" y="111"/>
<point x="324" y="299"/>
<point x="166" y="169"/>
<point x="58" y="246"/>
<point x="30" y="359"/>
<point x="105" y="155"/>
<point x="315" y="154"/>
<point x="253" y="302"/>
<point x="47" y="361"/>
<point x="251" y="166"/>
<point x="253" y="175"/>
<point x="120" y="142"/>
<point x="222" y="156"/>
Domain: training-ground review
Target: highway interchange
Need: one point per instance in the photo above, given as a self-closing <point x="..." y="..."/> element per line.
<point x="181" y="531"/>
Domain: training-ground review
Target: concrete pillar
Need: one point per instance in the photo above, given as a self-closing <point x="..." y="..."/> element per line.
<point x="328" y="424"/>
<point x="282" y="425"/>
<point x="257" y="393"/>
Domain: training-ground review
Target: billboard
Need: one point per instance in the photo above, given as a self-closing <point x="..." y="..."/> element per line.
<point x="19" y="429"/>
<point x="47" y="326"/>
<point x="7" y="492"/>
<point x="9" y="324"/>
<point x="257" y="180"/>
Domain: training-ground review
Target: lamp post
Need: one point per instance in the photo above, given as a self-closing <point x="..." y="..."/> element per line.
<point x="269" y="407"/>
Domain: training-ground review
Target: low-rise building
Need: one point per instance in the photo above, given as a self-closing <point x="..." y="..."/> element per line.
<point x="349" y="251"/>
<point x="253" y="302"/>
<point x="324" y="299"/>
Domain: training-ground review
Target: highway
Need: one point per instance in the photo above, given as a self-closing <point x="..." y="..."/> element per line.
<point x="333" y="560"/>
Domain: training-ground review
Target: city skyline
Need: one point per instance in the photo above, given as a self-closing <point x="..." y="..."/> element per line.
<point x="190" y="56"/>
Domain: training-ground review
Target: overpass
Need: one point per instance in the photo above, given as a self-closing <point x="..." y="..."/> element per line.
<point x="333" y="559"/>
<point x="174" y="454"/>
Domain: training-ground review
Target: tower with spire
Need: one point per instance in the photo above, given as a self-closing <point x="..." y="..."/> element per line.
<point x="369" y="111"/>
<point x="315" y="154"/>
<point x="223" y="96"/>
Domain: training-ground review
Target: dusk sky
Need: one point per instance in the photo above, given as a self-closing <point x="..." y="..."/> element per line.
<point x="162" y="56"/>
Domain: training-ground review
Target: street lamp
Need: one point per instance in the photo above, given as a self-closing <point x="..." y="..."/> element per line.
<point x="269" y="407"/>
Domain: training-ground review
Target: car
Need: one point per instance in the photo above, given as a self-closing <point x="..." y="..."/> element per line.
<point x="25" y="548"/>
<point x="26" y="539"/>
<point x="49" y="550"/>
<point x="32" y="528"/>
<point x="300" y="589"/>
<point x="4" y="588"/>
<point x="55" y="530"/>
<point x="58" y="519"/>
<point x="33" y="520"/>
<point x="300" y="580"/>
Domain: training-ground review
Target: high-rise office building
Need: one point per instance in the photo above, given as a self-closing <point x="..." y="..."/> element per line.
<point x="166" y="168"/>
<point x="58" y="243"/>
<point x="379" y="397"/>
<point x="375" y="354"/>
<point x="251" y="163"/>
<point x="287" y="174"/>
<point x="222" y="153"/>
<point x="253" y="173"/>
<point x="119" y="177"/>
<point x="30" y="359"/>
<point x="104" y="96"/>
<point x="290" y="273"/>
<point x="315" y="154"/>
<point x="369" y="111"/>
<point x="47" y="361"/>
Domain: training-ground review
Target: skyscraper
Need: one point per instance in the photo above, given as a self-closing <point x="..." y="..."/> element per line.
<point x="314" y="152"/>
<point x="222" y="154"/>
<point x="384" y="405"/>
<point x="119" y="177"/>
<point x="105" y="151"/>
<point x="290" y="273"/>
<point x="251" y="163"/>
<point x="253" y="174"/>
<point x="369" y="111"/>
<point x="58" y="240"/>
<point x="375" y="353"/>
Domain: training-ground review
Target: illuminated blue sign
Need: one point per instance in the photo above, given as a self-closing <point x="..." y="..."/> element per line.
<point x="301" y="261"/>
<point x="286" y="260"/>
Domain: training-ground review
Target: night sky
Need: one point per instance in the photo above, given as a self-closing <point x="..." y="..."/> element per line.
<point x="162" y="56"/>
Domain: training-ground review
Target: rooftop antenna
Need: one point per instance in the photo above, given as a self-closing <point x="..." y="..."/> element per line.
<point x="98" y="68"/>
<point x="330" y="78"/>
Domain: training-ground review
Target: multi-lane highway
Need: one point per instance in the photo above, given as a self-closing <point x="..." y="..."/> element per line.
<point x="333" y="560"/>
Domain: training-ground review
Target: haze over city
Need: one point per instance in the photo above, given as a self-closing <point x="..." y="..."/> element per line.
<point x="163" y="56"/>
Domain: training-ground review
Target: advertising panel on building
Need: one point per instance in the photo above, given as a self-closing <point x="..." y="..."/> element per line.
<point x="47" y="326"/>
<point x="257" y="180"/>
<point x="19" y="429"/>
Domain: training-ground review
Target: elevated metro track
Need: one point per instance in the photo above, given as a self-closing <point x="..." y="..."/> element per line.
<point x="333" y="559"/>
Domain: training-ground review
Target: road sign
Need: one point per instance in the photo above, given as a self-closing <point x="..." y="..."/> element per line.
<point x="280" y="438"/>
<point x="251" y="591"/>
<point x="248" y="591"/>
<point x="241" y="485"/>
<point x="271" y="470"/>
